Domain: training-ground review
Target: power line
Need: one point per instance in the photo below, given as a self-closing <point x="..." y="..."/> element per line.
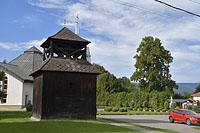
<point x="146" y="10"/>
<point x="137" y="7"/>
<point x="131" y="5"/>
<point x="177" y="8"/>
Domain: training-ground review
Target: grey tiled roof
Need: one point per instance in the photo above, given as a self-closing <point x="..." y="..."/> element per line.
<point x="67" y="35"/>
<point x="14" y="71"/>
<point x="68" y="65"/>
<point x="25" y="64"/>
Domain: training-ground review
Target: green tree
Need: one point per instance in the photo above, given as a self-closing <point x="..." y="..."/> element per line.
<point x="110" y="83"/>
<point x="100" y="68"/>
<point x="107" y="82"/>
<point x="152" y="66"/>
<point x="187" y="95"/>
<point x="197" y="89"/>
<point x="2" y="76"/>
<point x="124" y="84"/>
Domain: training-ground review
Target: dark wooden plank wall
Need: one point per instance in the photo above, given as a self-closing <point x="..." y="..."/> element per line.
<point x="37" y="96"/>
<point x="70" y="95"/>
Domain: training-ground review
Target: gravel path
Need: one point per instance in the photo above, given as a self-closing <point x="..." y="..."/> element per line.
<point x="158" y="121"/>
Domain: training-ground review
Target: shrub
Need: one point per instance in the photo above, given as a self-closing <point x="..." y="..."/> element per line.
<point x="145" y="109"/>
<point x="135" y="109"/>
<point x="115" y="109"/>
<point x="145" y="104"/>
<point x="173" y="105"/>
<point x="189" y="107"/>
<point x="166" y="105"/>
<point x="29" y="107"/>
<point x="126" y="104"/>
<point x="157" y="110"/>
<point x="129" y="108"/>
<point x="195" y="109"/>
<point x="123" y="110"/>
<point x="139" y="109"/>
<point x="108" y="109"/>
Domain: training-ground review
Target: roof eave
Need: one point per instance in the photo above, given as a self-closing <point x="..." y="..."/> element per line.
<point x="55" y="39"/>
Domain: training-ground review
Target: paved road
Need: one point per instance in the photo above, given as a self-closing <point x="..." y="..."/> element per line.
<point x="158" y="121"/>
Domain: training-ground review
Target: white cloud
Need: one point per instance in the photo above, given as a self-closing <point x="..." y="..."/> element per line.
<point x="125" y="26"/>
<point x="55" y="4"/>
<point x="21" y="45"/>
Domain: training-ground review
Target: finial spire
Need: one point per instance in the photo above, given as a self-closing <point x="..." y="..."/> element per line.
<point x="64" y="22"/>
<point x="77" y="26"/>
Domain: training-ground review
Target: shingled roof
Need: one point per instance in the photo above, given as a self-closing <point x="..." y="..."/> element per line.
<point x="66" y="35"/>
<point x="15" y="71"/>
<point x="67" y="65"/>
<point x="25" y="64"/>
<point x="196" y="94"/>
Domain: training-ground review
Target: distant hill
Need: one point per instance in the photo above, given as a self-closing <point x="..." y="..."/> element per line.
<point x="186" y="87"/>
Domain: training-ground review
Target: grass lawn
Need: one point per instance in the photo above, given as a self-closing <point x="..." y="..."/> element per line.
<point x="19" y="122"/>
<point x="132" y="113"/>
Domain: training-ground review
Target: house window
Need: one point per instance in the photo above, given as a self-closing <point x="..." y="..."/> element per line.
<point x="4" y="89"/>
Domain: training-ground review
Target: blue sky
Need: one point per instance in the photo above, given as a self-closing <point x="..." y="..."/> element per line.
<point x="114" y="29"/>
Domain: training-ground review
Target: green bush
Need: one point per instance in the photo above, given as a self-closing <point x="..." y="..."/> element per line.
<point x="189" y="107"/>
<point x="115" y="109"/>
<point x="195" y="109"/>
<point x="145" y="109"/>
<point x="129" y="108"/>
<point x="139" y="109"/>
<point x="123" y="110"/>
<point x="135" y="109"/>
<point x="158" y="110"/>
<point x="166" y="105"/>
<point x="29" y="107"/>
<point x="173" y="105"/>
<point x="135" y="99"/>
<point x="108" y="109"/>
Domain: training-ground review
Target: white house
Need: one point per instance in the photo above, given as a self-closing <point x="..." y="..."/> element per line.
<point x="196" y="96"/>
<point x="18" y="85"/>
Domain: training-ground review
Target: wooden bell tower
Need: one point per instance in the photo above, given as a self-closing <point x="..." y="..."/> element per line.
<point x="65" y="84"/>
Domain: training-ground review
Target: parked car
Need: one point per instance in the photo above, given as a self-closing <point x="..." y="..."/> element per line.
<point x="186" y="116"/>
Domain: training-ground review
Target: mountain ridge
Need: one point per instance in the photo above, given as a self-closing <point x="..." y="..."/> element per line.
<point x="186" y="87"/>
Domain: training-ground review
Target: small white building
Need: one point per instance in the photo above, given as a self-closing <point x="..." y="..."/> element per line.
<point x="18" y="85"/>
<point x="196" y="96"/>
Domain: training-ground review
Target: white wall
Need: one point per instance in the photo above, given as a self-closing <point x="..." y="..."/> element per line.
<point x="14" y="91"/>
<point x="196" y="98"/>
<point x="27" y="90"/>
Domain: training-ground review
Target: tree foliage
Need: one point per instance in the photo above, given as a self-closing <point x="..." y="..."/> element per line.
<point x="152" y="66"/>
<point x="107" y="82"/>
<point x="2" y="76"/>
